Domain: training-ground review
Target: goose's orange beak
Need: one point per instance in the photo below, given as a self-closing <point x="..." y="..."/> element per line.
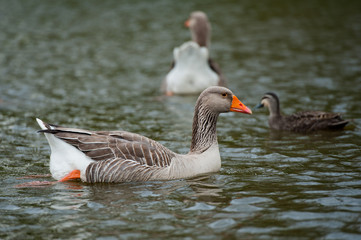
<point x="187" y="23"/>
<point x="238" y="106"/>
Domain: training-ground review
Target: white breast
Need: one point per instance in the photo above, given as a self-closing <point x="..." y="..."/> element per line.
<point x="190" y="165"/>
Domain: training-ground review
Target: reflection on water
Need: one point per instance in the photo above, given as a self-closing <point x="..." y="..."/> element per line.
<point x="99" y="65"/>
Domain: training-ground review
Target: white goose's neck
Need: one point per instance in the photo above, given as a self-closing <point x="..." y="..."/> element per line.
<point x="201" y="34"/>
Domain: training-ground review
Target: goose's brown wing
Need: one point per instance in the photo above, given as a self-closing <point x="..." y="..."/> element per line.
<point x="109" y="145"/>
<point x="119" y="170"/>
<point x="215" y="67"/>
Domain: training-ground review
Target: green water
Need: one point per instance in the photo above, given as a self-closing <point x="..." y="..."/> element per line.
<point x="99" y="65"/>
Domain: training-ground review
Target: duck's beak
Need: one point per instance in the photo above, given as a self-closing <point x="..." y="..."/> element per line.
<point x="261" y="105"/>
<point x="238" y="106"/>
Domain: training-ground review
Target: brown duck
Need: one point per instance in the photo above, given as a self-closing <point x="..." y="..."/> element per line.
<point x="306" y="121"/>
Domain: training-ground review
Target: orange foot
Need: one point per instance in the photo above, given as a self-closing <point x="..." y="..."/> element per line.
<point x="75" y="174"/>
<point x="169" y="93"/>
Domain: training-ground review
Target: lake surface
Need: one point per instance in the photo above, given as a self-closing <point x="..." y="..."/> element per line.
<point x="99" y="64"/>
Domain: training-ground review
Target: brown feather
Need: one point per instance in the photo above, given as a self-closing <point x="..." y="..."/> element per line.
<point x="104" y="145"/>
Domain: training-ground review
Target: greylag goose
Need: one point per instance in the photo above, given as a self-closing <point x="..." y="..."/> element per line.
<point x="193" y="70"/>
<point x="306" y="121"/>
<point x="120" y="156"/>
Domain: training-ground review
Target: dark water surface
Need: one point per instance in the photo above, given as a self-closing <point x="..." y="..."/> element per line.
<point x="99" y="64"/>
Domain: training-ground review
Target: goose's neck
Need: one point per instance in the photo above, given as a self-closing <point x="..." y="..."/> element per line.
<point x="204" y="133"/>
<point x="201" y="34"/>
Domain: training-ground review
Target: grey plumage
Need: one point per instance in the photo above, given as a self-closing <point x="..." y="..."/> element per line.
<point x="115" y="150"/>
<point x="119" y="170"/>
<point x="120" y="156"/>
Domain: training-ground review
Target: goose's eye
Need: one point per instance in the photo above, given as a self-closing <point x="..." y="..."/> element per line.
<point x="224" y="94"/>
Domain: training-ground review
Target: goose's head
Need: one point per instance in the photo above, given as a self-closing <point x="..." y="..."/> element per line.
<point x="220" y="100"/>
<point x="200" y="28"/>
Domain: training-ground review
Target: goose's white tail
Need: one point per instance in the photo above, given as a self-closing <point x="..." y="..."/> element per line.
<point x="64" y="158"/>
<point x="41" y="124"/>
<point x="191" y="73"/>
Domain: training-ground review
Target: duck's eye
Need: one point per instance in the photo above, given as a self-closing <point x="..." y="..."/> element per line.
<point x="224" y="94"/>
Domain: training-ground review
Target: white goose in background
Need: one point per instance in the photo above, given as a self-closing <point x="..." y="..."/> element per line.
<point x="120" y="156"/>
<point x="193" y="70"/>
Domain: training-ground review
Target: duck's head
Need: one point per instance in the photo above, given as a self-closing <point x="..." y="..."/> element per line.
<point x="271" y="101"/>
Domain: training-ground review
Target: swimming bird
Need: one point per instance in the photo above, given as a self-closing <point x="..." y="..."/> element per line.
<point x="120" y="156"/>
<point x="306" y="121"/>
<point x="193" y="70"/>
